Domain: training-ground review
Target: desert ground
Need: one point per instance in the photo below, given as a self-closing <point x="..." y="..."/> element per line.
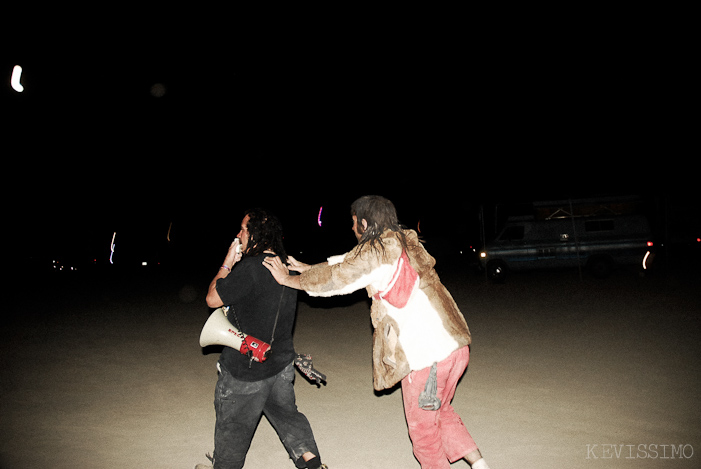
<point x="105" y="371"/>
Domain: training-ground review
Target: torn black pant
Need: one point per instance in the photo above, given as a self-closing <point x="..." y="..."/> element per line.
<point x="239" y="406"/>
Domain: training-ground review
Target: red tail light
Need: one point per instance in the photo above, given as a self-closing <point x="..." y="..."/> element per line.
<point x="649" y="244"/>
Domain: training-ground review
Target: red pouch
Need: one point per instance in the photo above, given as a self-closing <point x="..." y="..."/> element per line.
<point x="255" y="349"/>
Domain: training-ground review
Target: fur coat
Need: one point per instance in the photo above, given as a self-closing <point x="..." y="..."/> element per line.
<point x="429" y="326"/>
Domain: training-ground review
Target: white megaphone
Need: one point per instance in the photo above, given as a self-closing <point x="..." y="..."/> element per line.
<point x="219" y="331"/>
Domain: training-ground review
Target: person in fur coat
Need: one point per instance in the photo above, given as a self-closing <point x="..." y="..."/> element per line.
<point x="420" y="338"/>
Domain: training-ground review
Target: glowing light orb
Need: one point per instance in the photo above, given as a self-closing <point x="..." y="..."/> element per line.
<point x="14" y="80"/>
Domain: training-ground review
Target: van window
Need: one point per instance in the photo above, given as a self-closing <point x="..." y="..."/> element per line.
<point x="512" y="233"/>
<point x="598" y="225"/>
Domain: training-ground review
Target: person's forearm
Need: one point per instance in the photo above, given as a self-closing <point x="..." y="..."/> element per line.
<point x="292" y="281"/>
<point x="213" y="299"/>
<point x="232" y="257"/>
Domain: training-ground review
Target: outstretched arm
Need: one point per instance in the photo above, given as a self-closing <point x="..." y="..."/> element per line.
<point x="281" y="273"/>
<point x="339" y="276"/>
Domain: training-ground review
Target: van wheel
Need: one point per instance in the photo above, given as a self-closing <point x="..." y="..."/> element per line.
<point x="497" y="271"/>
<point x="600" y="266"/>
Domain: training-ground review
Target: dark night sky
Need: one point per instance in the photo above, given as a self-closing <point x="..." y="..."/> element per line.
<point x="436" y="110"/>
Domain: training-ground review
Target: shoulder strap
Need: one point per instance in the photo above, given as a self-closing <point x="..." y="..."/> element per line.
<point x="277" y="315"/>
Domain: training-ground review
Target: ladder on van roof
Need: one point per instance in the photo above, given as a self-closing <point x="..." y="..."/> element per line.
<point x="577" y="208"/>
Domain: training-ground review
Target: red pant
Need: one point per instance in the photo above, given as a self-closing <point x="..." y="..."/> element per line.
<point x="439" y="437"/>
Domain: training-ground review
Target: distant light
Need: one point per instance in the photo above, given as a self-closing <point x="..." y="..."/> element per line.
<point x="483" y="254"/>
<point x="144" y="263"/>
<point x="649" y="244"/>
<point x="112" y="247"/>
<point x="318" y="218"/>
<point x="698" y="240"/>
<point x="14" y="81"/>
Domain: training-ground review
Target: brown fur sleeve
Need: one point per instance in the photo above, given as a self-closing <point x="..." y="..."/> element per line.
<point x="353" y="273"/>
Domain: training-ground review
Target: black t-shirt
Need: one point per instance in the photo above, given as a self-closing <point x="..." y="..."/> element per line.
<point x="255" y="295"/>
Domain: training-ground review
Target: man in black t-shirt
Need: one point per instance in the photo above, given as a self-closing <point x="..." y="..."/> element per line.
<point x="263" y="309"/>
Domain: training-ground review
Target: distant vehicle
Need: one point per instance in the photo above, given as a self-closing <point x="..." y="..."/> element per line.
<point x="597" y="243"/>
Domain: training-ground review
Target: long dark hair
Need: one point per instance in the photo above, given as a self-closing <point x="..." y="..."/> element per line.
<point x="380" y="215"/>
<point x="264" y="233"/>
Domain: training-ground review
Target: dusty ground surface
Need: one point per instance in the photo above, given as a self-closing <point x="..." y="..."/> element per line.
<point x="106" y="372"/>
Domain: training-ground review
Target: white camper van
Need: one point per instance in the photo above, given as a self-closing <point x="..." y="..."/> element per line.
<point x="597" y="240"/>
